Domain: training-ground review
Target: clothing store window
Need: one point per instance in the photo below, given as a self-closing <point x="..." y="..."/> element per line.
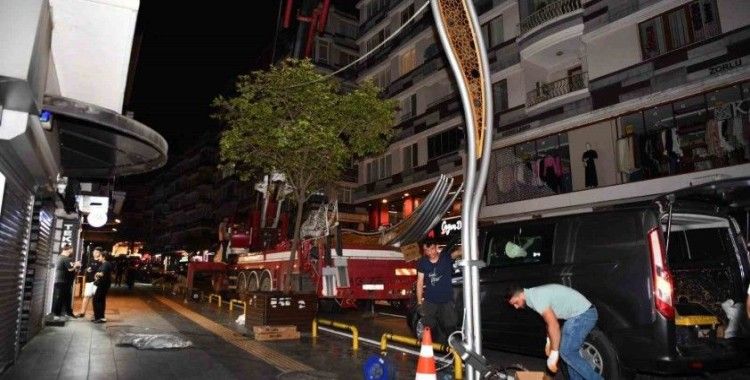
<point x="444" y="143"/>
<point x="411" y="155"/>
<point x="523" y="244"/>
<point x="530" y="170"/>
<point x="492" y="32"/>
<point x="500" y="96"/>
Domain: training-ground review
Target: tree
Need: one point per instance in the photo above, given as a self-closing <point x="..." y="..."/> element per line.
<point x="291" y="119"/>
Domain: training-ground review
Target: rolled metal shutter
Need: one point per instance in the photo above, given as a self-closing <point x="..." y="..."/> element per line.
<point x="35" y="288"/>
<point x="15" y="227"/>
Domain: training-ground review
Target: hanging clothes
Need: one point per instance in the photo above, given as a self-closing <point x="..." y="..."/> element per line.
<point x="626" y="155"/>
<point x="713" y="139"/>
<point x="676" y="144"/>
<point x="590" y="167"/>
<point x="723" y="126"/>
<point x="521" y="173"/>
<point x="537" y="167"/>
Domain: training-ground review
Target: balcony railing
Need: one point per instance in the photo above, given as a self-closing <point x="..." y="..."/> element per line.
<point x="548" y="12"/>
<point x="551" y="90"/>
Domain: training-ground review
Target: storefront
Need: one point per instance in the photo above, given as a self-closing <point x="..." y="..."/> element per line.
<point x="706" y="131"/>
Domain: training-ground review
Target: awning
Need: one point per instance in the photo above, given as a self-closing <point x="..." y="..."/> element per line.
<point x="96" y="142"/>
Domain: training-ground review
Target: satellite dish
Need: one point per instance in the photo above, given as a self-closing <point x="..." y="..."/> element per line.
<point x="96" y="219"/>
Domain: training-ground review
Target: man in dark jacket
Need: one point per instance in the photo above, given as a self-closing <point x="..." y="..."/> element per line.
<point x="65" y="272"/>
<point x="434" y="272"/>
<point x="103" y="282"/>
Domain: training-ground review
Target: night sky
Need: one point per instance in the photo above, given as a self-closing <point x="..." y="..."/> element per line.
<point x="191" y="52"/>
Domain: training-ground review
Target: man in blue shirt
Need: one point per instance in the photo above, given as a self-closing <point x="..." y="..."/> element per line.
<point x="434" y="290"/>
<point x="553" y="302"/>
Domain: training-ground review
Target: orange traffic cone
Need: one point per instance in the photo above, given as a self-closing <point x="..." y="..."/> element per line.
<point x="426" y="363"/>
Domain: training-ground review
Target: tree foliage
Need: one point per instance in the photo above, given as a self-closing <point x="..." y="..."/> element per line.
<point x="291" y="119"/>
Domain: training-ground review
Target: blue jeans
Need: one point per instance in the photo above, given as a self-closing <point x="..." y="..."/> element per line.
<point x="574" y="332"/>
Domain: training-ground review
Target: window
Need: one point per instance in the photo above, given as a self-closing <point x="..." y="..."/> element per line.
<point x="379" y="168"/>
<point x="409" y="107"/>
<point x="382" y="79"/>
<point x="444" y="143"/>
<point x="345" y="195"/>
<point x="500" y="96"/>
<point x="374" y="7"/>
<point x="679" y="27"/>
<point x="520" y="245"/>
<point x="345" y="58"/>
<point x="411" y="156"/>
<point x="407" y="13"/>
<point x="377" y="38"/>
<point x="323" y="50"/>
<point x="408" y="61"/>
<point x="493" y="32"/>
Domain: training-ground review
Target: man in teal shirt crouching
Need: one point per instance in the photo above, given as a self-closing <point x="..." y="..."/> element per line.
<point x="553" y="302"/>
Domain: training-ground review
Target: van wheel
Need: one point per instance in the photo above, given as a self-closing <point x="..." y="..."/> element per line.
<point x="599" y="352"/>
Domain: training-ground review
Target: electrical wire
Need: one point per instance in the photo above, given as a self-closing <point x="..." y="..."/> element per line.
<point x="364" y="56"/>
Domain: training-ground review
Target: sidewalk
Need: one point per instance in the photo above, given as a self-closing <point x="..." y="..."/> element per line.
<point x="84" y="350"/>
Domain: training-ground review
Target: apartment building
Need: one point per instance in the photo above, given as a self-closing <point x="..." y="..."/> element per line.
<point x="595" y="102"/>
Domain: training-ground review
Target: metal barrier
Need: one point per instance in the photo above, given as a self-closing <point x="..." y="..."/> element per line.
<point x="211" y="299"/>
<point x="457" y="362"/>
<point x="237" y="302"/>
<point x="339" y="325"/>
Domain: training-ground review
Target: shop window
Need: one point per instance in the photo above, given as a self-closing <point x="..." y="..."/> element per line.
<point x="500" y="96"/>
<point x="530" y="170"/>
<point x="444" y="143"/>
<point x="492" y="32"/>
<point x="690" y="23"/>
<point x="525" y="244"/>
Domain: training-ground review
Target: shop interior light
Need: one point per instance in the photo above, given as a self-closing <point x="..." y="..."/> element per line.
<point x="385" y="201"/>
<point x="96" y="219"/>
<point x="118" y="221"/>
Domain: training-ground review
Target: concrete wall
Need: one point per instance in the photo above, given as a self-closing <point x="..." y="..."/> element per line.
<point x="733" y="14"/>
<point x="601" y="136"/>
<point x="516" y="89"/>
<point x="613" y="51"/>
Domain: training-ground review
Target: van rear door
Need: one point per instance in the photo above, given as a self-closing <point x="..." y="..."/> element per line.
<point x="707" y="256"/>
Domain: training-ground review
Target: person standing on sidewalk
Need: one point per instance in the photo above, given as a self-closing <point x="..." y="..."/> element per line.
<point x="435" y="290"/>
<point x="65" y="273"/>
<point x="553" y="302"/>
<point x="89" y="288"/>
<point x="103" y="282"/>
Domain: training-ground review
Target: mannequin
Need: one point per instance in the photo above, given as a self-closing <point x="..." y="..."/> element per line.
<point x="590" y="166"/>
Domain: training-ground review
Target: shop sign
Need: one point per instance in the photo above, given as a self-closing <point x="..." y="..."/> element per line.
<point x="725" y="66"/>
<point x="69" y="233"/>
<point x="446" y="227"/>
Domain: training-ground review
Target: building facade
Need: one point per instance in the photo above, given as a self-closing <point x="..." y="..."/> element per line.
<point x="595" y="102"/>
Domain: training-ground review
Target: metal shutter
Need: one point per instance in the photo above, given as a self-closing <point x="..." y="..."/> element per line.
<point x="40" y="250"/>
<point x="15" y="227"/>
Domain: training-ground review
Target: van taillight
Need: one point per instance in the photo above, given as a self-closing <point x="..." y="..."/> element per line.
<point x="663" y="288"/>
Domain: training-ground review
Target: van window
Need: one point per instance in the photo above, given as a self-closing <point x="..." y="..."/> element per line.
<point x="520" y="245"/>
<point x="699" y="245"/>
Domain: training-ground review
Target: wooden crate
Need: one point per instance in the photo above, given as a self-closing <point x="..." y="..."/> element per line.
<point x="278" y="308"/>
<point x="284" y="335"/>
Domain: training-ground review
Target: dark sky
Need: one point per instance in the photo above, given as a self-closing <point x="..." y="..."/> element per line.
<point x="190" y="53"/>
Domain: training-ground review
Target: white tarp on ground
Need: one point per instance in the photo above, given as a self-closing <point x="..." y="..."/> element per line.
<point x="148" y="339"/>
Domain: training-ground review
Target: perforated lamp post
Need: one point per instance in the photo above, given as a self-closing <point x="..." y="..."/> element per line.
<point x="459" y="31"/>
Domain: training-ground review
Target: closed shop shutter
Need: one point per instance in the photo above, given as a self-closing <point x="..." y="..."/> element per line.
<point x="37" y="270"/>
<point x="15" y="226"/>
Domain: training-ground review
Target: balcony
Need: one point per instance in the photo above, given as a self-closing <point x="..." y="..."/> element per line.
<point x="445" y="164"/>
<point x="484" y="6"/>
<point x="551" y="90"/>
<point x="422" y="23"/>
<point x="424" y="70"/>
<point x="547" y="13"/>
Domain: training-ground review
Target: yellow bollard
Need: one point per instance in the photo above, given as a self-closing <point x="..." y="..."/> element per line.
<point x="326" y="322"/>
<point x="232" y="302"/>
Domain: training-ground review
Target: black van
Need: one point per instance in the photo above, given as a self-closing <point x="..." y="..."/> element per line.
<point x="658" y="293"/>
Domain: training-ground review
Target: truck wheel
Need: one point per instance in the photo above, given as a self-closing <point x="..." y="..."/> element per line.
<point x="265" y="283"/>
<point x="252" y="281"/>
<point x="600" y="353"/>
